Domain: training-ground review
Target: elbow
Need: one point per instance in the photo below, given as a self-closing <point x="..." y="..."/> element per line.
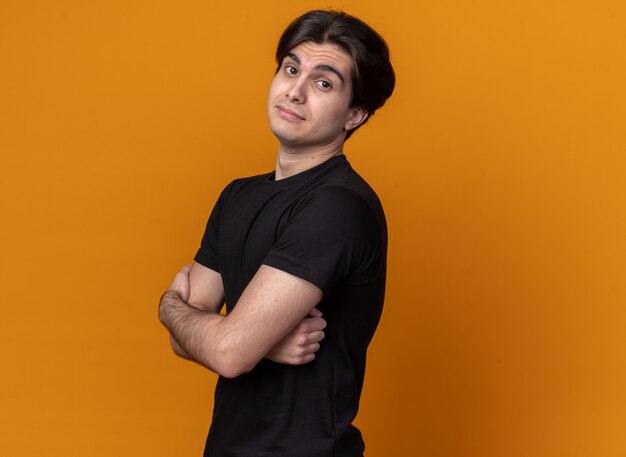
<point x="230" y="372"/>
<point x="230" y="364"/>
<point x="180" y="353"/>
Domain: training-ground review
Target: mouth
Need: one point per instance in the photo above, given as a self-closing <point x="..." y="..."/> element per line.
<point x="288" y="114"/>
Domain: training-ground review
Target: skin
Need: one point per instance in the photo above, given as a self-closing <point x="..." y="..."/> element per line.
<point x="202" y="288"/>
<point x="273" y="305"/>
<point x="309" y="113"/>
<point x="309" y="107"/>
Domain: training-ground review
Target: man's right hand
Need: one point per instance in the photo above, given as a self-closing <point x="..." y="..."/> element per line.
<point x="301" y="344"/>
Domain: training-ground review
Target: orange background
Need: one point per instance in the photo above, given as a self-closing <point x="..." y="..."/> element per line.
<point x="499" y="159"/>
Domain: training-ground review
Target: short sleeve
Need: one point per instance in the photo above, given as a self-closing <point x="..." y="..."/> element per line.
<point x="207" y="253"/>
<point x="333" y="237"/>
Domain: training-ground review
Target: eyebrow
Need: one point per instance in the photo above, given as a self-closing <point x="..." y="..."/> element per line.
<point x="323" y="67"/>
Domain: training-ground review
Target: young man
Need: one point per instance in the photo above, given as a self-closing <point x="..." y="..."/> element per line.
<point x="286" y="248"/>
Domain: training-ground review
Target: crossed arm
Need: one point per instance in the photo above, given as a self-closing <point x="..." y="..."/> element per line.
<point x="275" y="317"/>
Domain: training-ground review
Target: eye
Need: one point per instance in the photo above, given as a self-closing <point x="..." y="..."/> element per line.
<point x="291" y="70"/>
<point x="324" y="84"/>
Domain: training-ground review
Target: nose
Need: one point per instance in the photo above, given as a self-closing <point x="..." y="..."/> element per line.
<point x="296" y="92"/>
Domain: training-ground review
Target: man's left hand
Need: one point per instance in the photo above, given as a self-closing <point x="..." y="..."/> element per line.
<point x="180" y="285"/>
<point x="300" y="346"/>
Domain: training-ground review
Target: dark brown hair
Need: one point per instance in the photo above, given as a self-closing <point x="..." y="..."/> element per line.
<point x="373" y="78"/>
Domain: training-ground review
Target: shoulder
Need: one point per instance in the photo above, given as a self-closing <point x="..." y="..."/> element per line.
<point x="334" y="199"/>
<point x="349" y="180"/>
<point x="247" y="181"/>
<point x="339" y="213"/>
<point x="348" y="193"/>
<point x="238" y="185"/>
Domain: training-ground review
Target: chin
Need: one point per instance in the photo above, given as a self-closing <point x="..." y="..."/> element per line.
<point x="285" y="136"/>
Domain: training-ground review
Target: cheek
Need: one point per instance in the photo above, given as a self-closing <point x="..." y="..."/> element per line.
<point x="277" y="87"/>
<point x="273" y="90"/>
<point x="334" y="113"/>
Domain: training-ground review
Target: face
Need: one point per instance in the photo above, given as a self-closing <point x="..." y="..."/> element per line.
<point x="309" y="99"/>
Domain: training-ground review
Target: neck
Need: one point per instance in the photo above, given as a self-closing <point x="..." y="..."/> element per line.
<point x="290" y="162"/>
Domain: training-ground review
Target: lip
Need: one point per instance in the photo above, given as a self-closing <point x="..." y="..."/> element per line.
<point x="288" y="114"/>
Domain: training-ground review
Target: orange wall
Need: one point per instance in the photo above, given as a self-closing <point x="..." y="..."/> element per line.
<point x="500" y="161"/>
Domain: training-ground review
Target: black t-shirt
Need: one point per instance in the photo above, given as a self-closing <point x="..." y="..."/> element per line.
<point x="325" y="225"/>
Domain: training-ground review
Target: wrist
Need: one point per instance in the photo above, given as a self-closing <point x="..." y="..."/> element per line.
<point x="168" y="301"/>
<point x="170" y="294"/>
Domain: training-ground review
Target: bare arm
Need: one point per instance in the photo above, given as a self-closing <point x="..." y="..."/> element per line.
<point x="201" y="288"/>
<point x="272" y="305"/>
<point x="301" y="344"/>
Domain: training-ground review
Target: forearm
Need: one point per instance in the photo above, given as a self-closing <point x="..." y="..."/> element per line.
<point x="270" y="307"/>
<point x="194" y="331"/>
<point x="297" y="348"/>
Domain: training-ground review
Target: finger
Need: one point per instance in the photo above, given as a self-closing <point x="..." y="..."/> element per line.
<point x="309" y="338"/>
<point x="313" y="324"/>
<point x="315" y="337"/>
<point x="306" y="359"/>
<point x="181" y="276"/>
<point x="186" y="269"/>
<point x="312" y="348"/>
<point x="315" y="313"/>
<point x="180" y="280"/>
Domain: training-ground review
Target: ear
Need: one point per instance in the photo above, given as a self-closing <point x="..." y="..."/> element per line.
<point x="356" y="117"/>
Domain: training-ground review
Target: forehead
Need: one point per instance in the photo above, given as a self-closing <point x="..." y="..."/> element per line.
<point x="310" y="53"/>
